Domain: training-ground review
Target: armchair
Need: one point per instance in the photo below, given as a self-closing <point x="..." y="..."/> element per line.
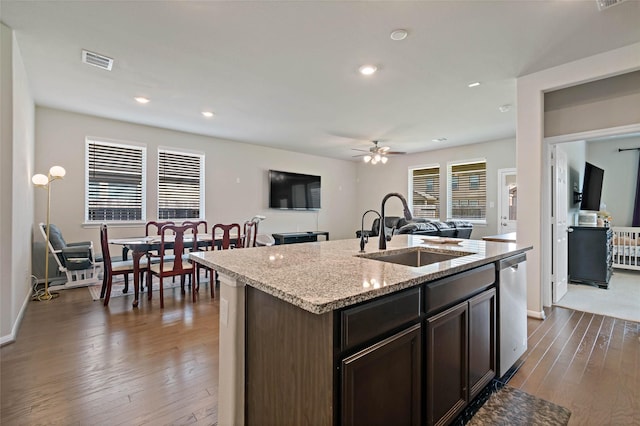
<point x="75" y="260"/>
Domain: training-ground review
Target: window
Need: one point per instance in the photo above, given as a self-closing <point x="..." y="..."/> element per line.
<point x="180" y="185"/>
<point x="424" y="191"/>
<point x="115" y="183"/>
<point x="467" y="197"/>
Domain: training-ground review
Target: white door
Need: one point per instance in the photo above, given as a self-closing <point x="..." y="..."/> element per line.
<point x="559" y="211"/>
<point x="508" y="201"/>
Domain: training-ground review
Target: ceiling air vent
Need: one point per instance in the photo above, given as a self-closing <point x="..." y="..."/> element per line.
<point x="97" y="60"/>
<point x="606" y="4"/>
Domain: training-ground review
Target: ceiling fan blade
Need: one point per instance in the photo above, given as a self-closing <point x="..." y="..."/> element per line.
<point x="383" y="149"/>
<point x="361" y="150"/>
<point x="395" y="152"/>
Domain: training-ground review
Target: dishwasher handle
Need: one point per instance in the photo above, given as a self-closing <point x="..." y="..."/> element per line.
<point x="511" y="261"/>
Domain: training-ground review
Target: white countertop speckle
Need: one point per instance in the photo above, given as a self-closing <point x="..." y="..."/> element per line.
<point x="323" y="276"/>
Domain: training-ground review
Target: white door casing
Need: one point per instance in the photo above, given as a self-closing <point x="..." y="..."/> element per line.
<point x="507" y="200"/>
<point x="559" y="212"/>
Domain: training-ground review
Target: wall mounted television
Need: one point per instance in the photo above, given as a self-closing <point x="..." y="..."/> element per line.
<point x="294" y="191"/>
<point x="591" y="187"/>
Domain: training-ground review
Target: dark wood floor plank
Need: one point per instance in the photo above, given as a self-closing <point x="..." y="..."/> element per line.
<point x="539" y="343"/>
<point x="76" y="362"/>
<point x="595" y="373"/>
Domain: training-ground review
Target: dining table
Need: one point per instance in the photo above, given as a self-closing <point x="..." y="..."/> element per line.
<point x="140" y="246"/>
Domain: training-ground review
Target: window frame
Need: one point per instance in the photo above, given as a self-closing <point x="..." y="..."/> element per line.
<point x="143" y="179"/>
<point x="201" y="198"/>
<point x="450" y="189"/>
<point x="410" y="200"/>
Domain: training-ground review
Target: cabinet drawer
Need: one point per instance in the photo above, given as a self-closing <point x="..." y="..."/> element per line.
<point x="447" y="291"/>
<point x="372" y="319"/>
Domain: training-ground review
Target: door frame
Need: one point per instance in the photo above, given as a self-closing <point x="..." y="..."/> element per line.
<point x="547" y="243"/>
<point x="501" y="174"/>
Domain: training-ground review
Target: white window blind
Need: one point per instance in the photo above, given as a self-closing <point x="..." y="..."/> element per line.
<point x="115" y="182"/>
<point x="467" y="195"/>
<point x="425" y="192"/>
<point x="180" y="185"/>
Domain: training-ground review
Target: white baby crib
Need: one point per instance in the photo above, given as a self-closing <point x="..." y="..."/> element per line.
<point x="626" y="247"/>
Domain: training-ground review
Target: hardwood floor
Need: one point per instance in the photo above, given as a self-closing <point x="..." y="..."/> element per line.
<point x="77" y="363"/>
<point x="585" y="362"/>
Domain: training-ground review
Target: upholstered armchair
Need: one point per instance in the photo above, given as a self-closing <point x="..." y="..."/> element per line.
<point x="75" y="260"/>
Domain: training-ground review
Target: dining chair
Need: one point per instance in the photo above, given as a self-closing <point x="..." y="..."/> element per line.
<point x="249" y="234"/>
<point x="155" y="227"/>
<point x="221" y="237"/>
<point x="202" y="227"/>
<point x="111" y="268"/>
<point x="172" y="238"/>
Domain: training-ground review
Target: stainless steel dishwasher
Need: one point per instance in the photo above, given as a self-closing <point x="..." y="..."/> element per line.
<point x="512" y="299"/>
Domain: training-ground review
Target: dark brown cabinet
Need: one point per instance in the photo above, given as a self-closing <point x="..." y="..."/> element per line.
<point x="381" y="384"/>
<point x="447" y="374"/>
<point x="590" y="259"/>
<point x="412" y="357"/>
<point x="482" y="341"/>
<point x="460" y="356"/>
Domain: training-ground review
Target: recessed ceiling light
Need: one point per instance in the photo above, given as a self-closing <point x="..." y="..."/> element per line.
<point x="141" y="99"/>
<point x="367" y="69"/>
<point x="505" y="107"/>
<point x="207" y="114"/>
<point x="439" y="140"/>
<point x="474" y="84"/>
<point x="399" y="34"/>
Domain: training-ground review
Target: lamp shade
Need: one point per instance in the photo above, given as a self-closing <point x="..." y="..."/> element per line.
<point x="57" y="171"/>
<point x="40" y="180"/>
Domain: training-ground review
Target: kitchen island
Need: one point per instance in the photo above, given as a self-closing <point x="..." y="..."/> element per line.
<point x="318" y="333"/>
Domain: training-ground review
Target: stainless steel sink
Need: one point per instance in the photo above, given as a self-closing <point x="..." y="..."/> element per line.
<point x="416" y="258"/>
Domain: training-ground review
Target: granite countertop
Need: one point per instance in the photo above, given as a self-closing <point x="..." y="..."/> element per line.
<point x="323" y="276"/>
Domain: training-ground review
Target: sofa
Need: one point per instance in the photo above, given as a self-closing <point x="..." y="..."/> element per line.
<point x="419" y="226"/>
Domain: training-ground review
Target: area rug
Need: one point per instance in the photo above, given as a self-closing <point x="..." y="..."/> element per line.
<point x="620" y="300"/>
<point x="511" y="406"/>
<point x="117" y="286"/>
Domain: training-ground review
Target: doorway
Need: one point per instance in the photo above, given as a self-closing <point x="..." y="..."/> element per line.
<point x="507" y="201"/>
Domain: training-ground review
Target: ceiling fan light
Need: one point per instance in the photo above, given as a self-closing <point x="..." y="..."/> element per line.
<point x="377" y="158"/>
<point x="384" y="160"/>
<point x="367" y="158"/>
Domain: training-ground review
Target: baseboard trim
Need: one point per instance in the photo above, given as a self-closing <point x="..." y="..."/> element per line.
<point x="535" y="314"/>
<point x="5" y="340"/>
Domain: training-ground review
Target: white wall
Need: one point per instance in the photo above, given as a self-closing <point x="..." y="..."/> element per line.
<point x="374" y="181"/>
<point x="620" y="171"/>
<point x="601" y="104"/>
<point x="532" y="203"/>
<point x="235" y="177"/>
<point x="16" y="163"/>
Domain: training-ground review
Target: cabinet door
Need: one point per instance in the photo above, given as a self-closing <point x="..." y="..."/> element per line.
<point x="381" y="384"/>
<point x="482" y="341"/>
<point x="447" y="365"/>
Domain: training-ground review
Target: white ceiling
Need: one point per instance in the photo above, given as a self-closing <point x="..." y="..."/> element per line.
<point x="284" y="73"/>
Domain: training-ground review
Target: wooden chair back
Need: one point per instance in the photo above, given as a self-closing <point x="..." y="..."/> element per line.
<point x="104" y="246"/>
<point x="227" y="242"/>
<point x="250" y="233"/>
<point x="156" y="227"/>
<point x="172" y="238"/>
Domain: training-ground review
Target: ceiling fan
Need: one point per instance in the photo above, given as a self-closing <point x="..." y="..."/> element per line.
<point x="377" y="153"/>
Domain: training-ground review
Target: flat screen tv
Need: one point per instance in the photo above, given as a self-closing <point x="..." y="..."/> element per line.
<point x="591" y="187"/>
<point x="293" y="191"/>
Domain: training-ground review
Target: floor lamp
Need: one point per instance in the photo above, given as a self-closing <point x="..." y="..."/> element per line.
<point x="42" y="181"/>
